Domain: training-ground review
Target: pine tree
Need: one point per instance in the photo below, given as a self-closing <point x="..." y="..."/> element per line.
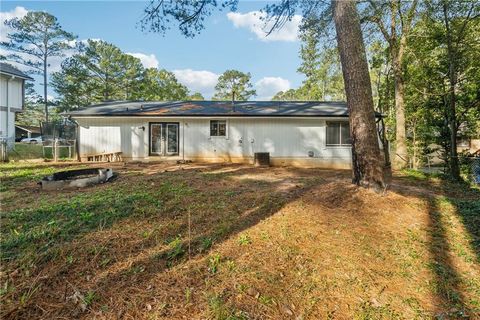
<point x="234" y="85"/>
<point x="35" y="39"/>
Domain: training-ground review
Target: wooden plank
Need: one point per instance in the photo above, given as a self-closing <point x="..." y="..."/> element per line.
<point x="107" y="156"/>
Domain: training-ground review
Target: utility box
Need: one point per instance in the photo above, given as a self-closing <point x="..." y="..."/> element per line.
<point x="261" y="159"/>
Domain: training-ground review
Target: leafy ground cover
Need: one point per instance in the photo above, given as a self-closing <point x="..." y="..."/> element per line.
<point x="237" y="242"/>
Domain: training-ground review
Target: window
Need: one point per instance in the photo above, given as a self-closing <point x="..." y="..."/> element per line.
<point x="218" y="128"/>
<point x="338" y="133"/>
<point x="463" y="142"/>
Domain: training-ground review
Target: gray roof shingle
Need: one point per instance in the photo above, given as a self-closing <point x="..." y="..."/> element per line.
<point x="6" y="68"/>
<point x="215" y="108"/>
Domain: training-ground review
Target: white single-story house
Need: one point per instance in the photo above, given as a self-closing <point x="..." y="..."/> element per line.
<point x="294" y="133"/>
<point x="12" y="100"/>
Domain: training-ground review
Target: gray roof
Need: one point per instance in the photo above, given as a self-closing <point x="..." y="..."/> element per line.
<point x="32" y="129"/>
<point x="215" y="108"/>
<point x="6" y="68"/>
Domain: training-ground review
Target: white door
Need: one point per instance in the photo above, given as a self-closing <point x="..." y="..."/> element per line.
<point x="164" y="138"/>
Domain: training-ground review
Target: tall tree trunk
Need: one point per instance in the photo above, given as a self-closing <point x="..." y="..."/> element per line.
<point x="105" y="93"/>
<point x="397" y="43"/>
<point x="368" y="165"/>
<point x="454" y="167"/>
<point x="414" y="145"/>
<point x="45" y="99"/>
<point x="401" y="153"/>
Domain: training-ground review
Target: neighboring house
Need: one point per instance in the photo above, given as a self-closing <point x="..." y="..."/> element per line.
<point x="470" y="145"/>
<point x="22" y="131"/>
<point x="12" y="99"/>
<point x="294" y="133"/>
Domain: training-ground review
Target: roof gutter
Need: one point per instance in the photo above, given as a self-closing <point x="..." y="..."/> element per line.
<point x="15" y="75"/>
<point x="208" y="116"/>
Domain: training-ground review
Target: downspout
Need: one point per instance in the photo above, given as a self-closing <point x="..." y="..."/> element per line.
<point x="8" y="111"/>
<point x="183" y="141"/>
<point x="77" y="136"/>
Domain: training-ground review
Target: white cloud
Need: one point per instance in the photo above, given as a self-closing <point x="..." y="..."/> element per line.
<point x="148" y="60"/>
<point x="18" y="12"/>
<point x="267" y="87"/>
<point x="253" y="21"/>
<point x="19" y="66"/>
<point x="198" y="80"/>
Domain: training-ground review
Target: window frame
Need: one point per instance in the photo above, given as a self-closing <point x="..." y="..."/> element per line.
<point x="218" y="128"/>
<point x="341" y="124"/>
<point x="163" y="125"/>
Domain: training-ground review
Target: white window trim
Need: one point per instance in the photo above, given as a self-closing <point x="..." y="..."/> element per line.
<point x="336" y="146"/>
<point x="226" y="129"/>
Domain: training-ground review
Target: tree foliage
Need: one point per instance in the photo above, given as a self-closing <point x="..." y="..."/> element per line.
<point x="322" y="70"/>
<point x="427" y="73"/>
<point x="444" y="77"/>
<point x="35" y="39"/>
<point x="393" y="20"/>
<point x="196" y="96"/>
<point x="321" y="67"/>
<point x="32" y="113"/>
<point x="289" y="95"/>
<point x="160" y="15"/>
<point x="160" y="85"/>
<point x="102" y="72"/>
<point x="234" y="85"/>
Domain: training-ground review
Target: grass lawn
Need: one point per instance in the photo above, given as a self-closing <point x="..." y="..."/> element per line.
<point x="205" y="241"/>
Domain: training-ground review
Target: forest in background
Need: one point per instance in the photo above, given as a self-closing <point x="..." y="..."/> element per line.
<point x="424" y="64"/>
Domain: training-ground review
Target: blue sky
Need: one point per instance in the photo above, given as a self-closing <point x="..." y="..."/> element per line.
<point x="229" y="41"/>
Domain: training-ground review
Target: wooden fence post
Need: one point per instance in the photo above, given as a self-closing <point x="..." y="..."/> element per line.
<point x="55" y="148"/>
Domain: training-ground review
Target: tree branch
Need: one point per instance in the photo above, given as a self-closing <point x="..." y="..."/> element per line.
<point x="378" y="21"/>
<point x="195" y="15"/>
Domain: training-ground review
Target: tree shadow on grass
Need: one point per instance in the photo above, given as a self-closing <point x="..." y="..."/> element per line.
<point x="237" y="208"/>
<point x="448" y="287"/>
<point x="469" y="213"/>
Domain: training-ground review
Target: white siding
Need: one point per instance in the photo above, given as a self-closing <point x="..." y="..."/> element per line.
<point x="113" y="135"/>
<point x="11" y="125"/>
<point x="288" y="140"/>
<point x="15" y="100"/>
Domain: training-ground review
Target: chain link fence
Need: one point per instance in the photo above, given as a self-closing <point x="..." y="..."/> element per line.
<point x="58" y="141"/>
<point x="474" y="164"/>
